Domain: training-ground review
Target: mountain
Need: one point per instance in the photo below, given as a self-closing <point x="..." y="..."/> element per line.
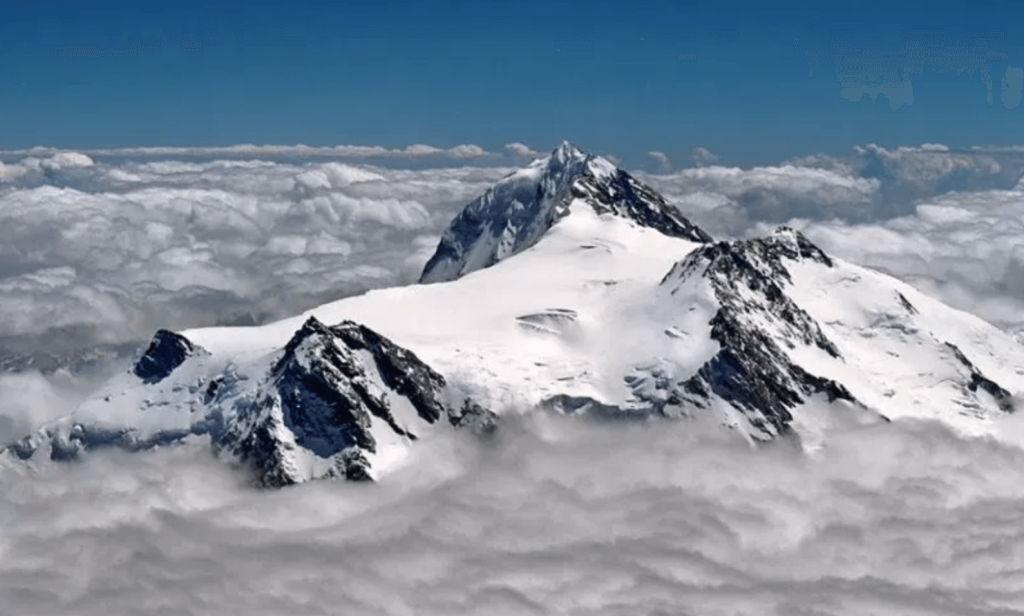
<point x="612" y="309"/>
<point x="516" y="212"/>
<point x="339" y="401"/>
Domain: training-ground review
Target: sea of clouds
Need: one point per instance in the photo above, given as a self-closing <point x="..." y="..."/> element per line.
<point x="556" y="516"/>
<point x="95" y="251"/>
<point x="100" y="248"/>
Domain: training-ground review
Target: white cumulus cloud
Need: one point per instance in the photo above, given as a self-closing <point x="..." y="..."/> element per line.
<point x="523" y="150"/>
<point x="113" y="250"/>
<point x="664" y="163"/>
<point x="702" y="157"/>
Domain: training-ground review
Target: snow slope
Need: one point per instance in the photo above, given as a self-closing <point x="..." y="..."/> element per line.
<point x="558" y="319"/>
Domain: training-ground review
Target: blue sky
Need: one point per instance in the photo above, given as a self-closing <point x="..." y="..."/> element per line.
<point x="619" y="78"/>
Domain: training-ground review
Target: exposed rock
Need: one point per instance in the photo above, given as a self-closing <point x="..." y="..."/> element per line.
<point x="979" y="381"/>
<point x="166" y="352"/>
<point x="752" y="371"/>
<point x="329" y="399"/>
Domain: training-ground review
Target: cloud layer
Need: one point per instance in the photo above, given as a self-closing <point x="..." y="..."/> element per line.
<point x="105" y="252"/>
<point x="555" y="517"/>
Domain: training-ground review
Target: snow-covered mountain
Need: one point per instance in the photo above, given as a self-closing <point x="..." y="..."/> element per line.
<point x="517" y="211"/>
<point x="339" y="401"/>
<point x="613" y="307"/>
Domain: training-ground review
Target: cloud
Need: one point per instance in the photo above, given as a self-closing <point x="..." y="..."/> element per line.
<point x="702" y="157"/>
<point x="112" y="250"/>
<point x="418" y="149"/>
<point x="467" y="151"/>
<point x="332" y="176"/>
<point x="57" y="162"/>
<point x="664" y="163"/>
<point x="555" y="517"/>
<point x="872" y="183"/>
<point x="523" y="150"/>
<point x="727" y="200"/>
<point x="28" y="399"/>
<point x="933" y="168"/>
<point x="11" y="172"/>
<point x="66" y="160"/>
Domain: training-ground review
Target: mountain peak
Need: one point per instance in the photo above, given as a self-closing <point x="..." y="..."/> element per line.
<point x="794" y="245"/>
<point x="567" y="151"/>
<point x="515" y="213"/>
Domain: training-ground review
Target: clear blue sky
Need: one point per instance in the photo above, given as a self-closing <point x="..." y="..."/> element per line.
<point x="618" y="77"/>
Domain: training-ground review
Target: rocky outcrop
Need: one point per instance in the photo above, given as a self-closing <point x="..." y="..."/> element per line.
<point x="757" y="321"/>
<point x="166" y="352"/>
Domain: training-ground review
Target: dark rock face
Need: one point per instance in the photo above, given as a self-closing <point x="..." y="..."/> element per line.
<point x="166" y="352"/>
<point x="752" y="372"/>
<point x="906" y="303"/>
<point x="625" y="196"/>
<point x="979" y="381"/>
<point x="399" y="368"/>
<point x="516" y="212"/>
<point x="326" y="395"/>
